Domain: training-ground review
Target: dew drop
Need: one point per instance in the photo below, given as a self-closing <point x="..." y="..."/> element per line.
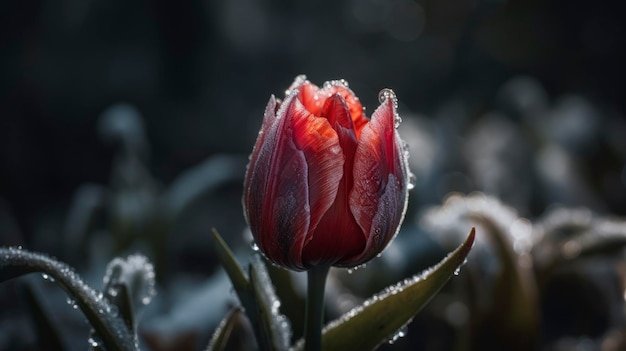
<point x="47" y="277"/>
<point x="387" y="93"/>
<point x="93" y="343"/>
<point x="301" y="79"/>
<point x="334" y="83"/>
<point x="72" y="303"/>
<point x="397" y="120"/>
<point x="412" y="181"/>
<point x="458" y="269"/>
<point x="355" y="268"/>
<point x="113" y="291"/>
<point x="399" y="334"/>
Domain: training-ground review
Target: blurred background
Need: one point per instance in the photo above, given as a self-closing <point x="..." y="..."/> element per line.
<point x="125" y="126"/>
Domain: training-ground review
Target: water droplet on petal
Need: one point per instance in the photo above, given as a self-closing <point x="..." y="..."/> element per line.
<point x="301" y="79"/>
<point x="387" y="93"/>
<point x="335" y="83"/>
<point x="397" y="120"/>
<point x="412" y="181"/>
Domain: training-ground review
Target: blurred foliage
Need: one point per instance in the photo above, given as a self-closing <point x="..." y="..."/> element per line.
<point x="125" y="126"/>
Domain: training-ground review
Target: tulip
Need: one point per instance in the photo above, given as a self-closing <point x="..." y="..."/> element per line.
<point x="325" y="185"/>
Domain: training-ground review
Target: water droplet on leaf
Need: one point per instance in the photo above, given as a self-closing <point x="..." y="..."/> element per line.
<point x="399" y="334"/>
<point x="72" y="303"/>
<point x="47" y="277"/>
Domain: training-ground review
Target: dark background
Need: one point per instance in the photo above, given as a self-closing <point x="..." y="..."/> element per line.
<point x="200" y="72"/>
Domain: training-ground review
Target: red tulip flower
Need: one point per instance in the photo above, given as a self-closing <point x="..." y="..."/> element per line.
<point x="325" y="185"/>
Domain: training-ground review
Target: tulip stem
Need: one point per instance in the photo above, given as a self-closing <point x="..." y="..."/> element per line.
<point x="314" y="318"/>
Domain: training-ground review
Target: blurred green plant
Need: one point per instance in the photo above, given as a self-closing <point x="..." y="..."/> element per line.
<point x="365" y="327"/>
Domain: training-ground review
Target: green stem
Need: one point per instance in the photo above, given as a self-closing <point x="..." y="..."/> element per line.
<point x="314" y="317"/>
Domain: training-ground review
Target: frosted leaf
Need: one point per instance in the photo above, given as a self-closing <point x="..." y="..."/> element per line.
<point x="137" y="273"/>
<point x="450" y="221"/>
<point x="111" y="329"/>
<point x="281" y="327"/>
<point x="385" y="315"/>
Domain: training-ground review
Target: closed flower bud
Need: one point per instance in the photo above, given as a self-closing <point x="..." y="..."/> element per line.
<point x="325" y="185"/>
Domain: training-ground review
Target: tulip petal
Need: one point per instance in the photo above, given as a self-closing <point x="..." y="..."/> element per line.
<point x="321" y="146"/>
<point x="314" y="99"/>
<point x="272" y="201"/>
<point x="310" y="97"/>
<point x="337" y="235"/>
<point x="268" y="119"/>
<point x="379" y="196"/>
<point x="356" y="108"/>
<point x="290" y="181"/>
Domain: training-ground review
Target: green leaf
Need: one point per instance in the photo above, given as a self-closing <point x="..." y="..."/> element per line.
<point x="256" y="296"/>
<point x="111" y="329"/>
<point x="262" y="313"/>
<point x="228" y="334"/>
<point x="228" y="261"/>
<point x="374" y="322"/>
<point x="123" y="301"/>
<point x="514" y="293"/>
<point x="274" y="326"/>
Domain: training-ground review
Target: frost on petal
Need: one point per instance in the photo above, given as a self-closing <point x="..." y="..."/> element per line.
<point x="320" y="145"/>
<point x="276" y="192"/>
<point x="379" y="196"/>
<point x="269" y="118"/>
